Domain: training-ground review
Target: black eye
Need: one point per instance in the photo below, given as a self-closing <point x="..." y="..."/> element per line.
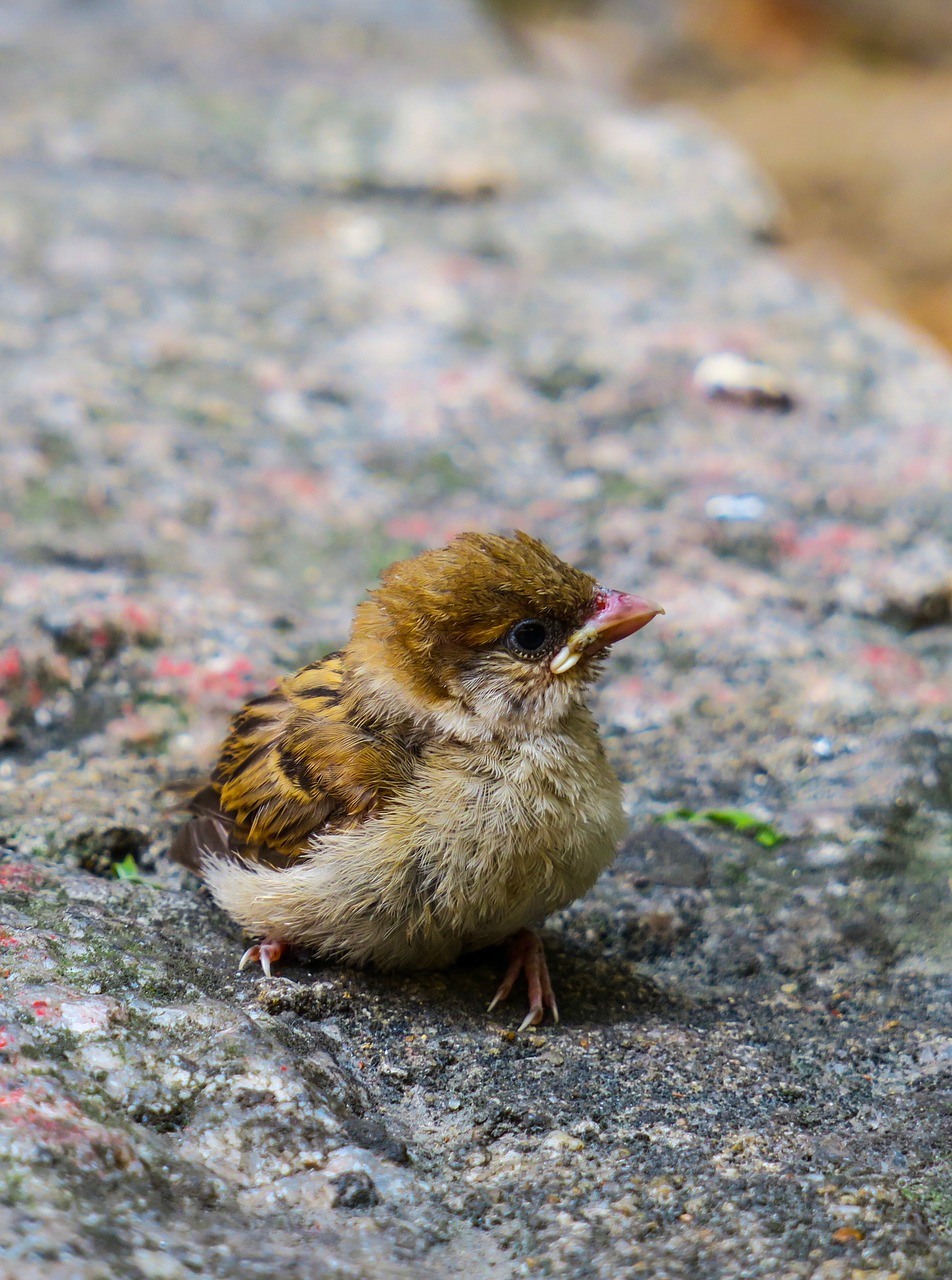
<point x="531" y="638"/>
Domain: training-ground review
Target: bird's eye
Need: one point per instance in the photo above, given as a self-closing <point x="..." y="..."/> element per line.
<point x="531" y="638"/>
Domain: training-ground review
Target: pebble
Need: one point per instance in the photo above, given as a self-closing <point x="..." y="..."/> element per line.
<point x="741" y="506"/>
<point x="738" y="380"/>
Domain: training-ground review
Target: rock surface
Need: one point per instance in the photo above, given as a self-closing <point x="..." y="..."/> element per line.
<point x="285" y="297"/>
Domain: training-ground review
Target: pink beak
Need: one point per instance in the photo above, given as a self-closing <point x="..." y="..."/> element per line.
<point x="614" y="615"/>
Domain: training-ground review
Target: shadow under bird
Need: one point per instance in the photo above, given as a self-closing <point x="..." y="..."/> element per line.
<point x="438" y="786"/>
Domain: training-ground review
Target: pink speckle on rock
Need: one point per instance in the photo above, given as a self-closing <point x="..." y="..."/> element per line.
<point x="222" y="681"/>
<point x="231" y="678"/>
<point x="890" y="658"/>
<point x="131" y="727"/>
<point x="414" y="528"/>
<point x="167" y="668"/>
<point x="831" y="548"/>
<point x="54" y="1123"/>
<point x="17" y="877"/>
<point x="893" y="672"/>
<point x="138" y="621"/>
<point x="11" y="665"/>
<point x="299" y="488"/>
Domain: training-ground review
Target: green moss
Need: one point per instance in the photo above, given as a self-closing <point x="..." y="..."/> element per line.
<point x="432" y="472"/>
<point x="734" y="873"/>
<point x="563" y="379"/>
<point x="41" y="501"/>
<point x="12" y="1190"/>
<point x="934" y="1195"/>
<point x="617" y="487"/>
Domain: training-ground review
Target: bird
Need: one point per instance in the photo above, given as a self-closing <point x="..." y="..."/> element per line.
<point x="437" y="786"/>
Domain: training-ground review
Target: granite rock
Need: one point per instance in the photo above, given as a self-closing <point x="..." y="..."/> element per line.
<point x="288" y="292"/>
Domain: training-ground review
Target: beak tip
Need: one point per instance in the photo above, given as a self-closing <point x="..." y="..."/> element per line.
<point x="621" y="615"/>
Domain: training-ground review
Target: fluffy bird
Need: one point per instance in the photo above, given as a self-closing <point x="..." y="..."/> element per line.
<point x="437" y="786"/>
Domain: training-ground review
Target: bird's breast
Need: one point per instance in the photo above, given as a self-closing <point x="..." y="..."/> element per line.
<point x="490" y="837"/>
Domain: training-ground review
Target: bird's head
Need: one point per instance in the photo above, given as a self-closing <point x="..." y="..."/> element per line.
<point x="489" y="632"/>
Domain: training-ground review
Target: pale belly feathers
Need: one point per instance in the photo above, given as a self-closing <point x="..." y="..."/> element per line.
<point x="490" y="838"/>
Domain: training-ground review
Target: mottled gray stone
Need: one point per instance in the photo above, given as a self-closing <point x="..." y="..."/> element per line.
<point x="288" y="291"/>
<point x="659" y="855"/>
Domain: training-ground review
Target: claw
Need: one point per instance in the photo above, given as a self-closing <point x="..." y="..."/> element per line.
<point x="265" y="953"/>
<point x="527" y="954"/>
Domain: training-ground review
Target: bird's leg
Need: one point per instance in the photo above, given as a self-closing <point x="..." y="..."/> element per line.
<point x="527" y="953"/>
<point x="266" y="953"/>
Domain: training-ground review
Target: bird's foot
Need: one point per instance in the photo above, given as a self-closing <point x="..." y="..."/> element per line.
<point x="266" y="953"/>
<point x="526" y="953"/>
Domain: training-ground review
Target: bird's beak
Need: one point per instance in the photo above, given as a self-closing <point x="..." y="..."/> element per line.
<point x="613" y="616"/>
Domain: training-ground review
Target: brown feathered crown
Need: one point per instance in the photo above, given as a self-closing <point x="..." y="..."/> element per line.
<point x="466" y="595"/>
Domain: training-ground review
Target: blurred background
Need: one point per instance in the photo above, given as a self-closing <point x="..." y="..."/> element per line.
<point x="290" y="289"/>
<point x="846" y="105"/>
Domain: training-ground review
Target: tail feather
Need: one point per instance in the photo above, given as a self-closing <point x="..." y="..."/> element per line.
<point x="212" y="835"/>
<point x="200" y="839"/>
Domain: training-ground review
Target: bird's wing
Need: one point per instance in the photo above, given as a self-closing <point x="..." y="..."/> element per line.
<point x="295" y="762"/>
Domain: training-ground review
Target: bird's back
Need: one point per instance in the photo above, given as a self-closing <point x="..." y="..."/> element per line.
<point x="308" y="757"/>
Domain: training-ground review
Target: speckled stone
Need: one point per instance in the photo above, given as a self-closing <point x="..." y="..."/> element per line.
<point x="288" y="292"/>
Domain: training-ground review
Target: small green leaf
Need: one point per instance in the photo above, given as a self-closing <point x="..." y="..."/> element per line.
<point x="737" y="819"/>
<point x="128" y="871"/>
<point x="748" y="825"/>
<point x="678" y="815"/>
<point x="769" y="838"/>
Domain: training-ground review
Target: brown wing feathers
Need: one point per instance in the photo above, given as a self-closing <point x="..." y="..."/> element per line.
<point x="295" y="761"/>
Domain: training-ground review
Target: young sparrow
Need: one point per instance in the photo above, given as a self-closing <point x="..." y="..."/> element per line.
<point x="438" y="785"/>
